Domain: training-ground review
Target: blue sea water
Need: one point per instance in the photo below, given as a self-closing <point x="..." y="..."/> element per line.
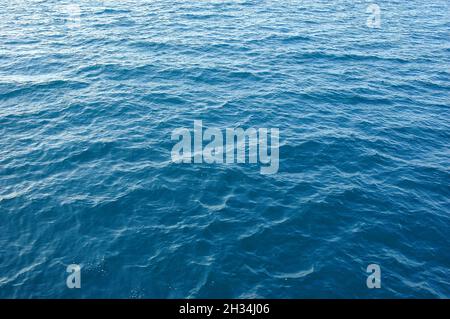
<point x="90" y="92"/>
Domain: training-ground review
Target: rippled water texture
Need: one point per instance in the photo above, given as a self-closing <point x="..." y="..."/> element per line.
<point x="87" y="107"/>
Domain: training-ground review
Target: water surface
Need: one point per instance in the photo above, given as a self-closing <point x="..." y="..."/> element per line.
<point x="87" y="107"/>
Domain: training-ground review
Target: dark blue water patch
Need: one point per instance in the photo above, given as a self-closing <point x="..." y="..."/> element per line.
<point x="42" y="88"/>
